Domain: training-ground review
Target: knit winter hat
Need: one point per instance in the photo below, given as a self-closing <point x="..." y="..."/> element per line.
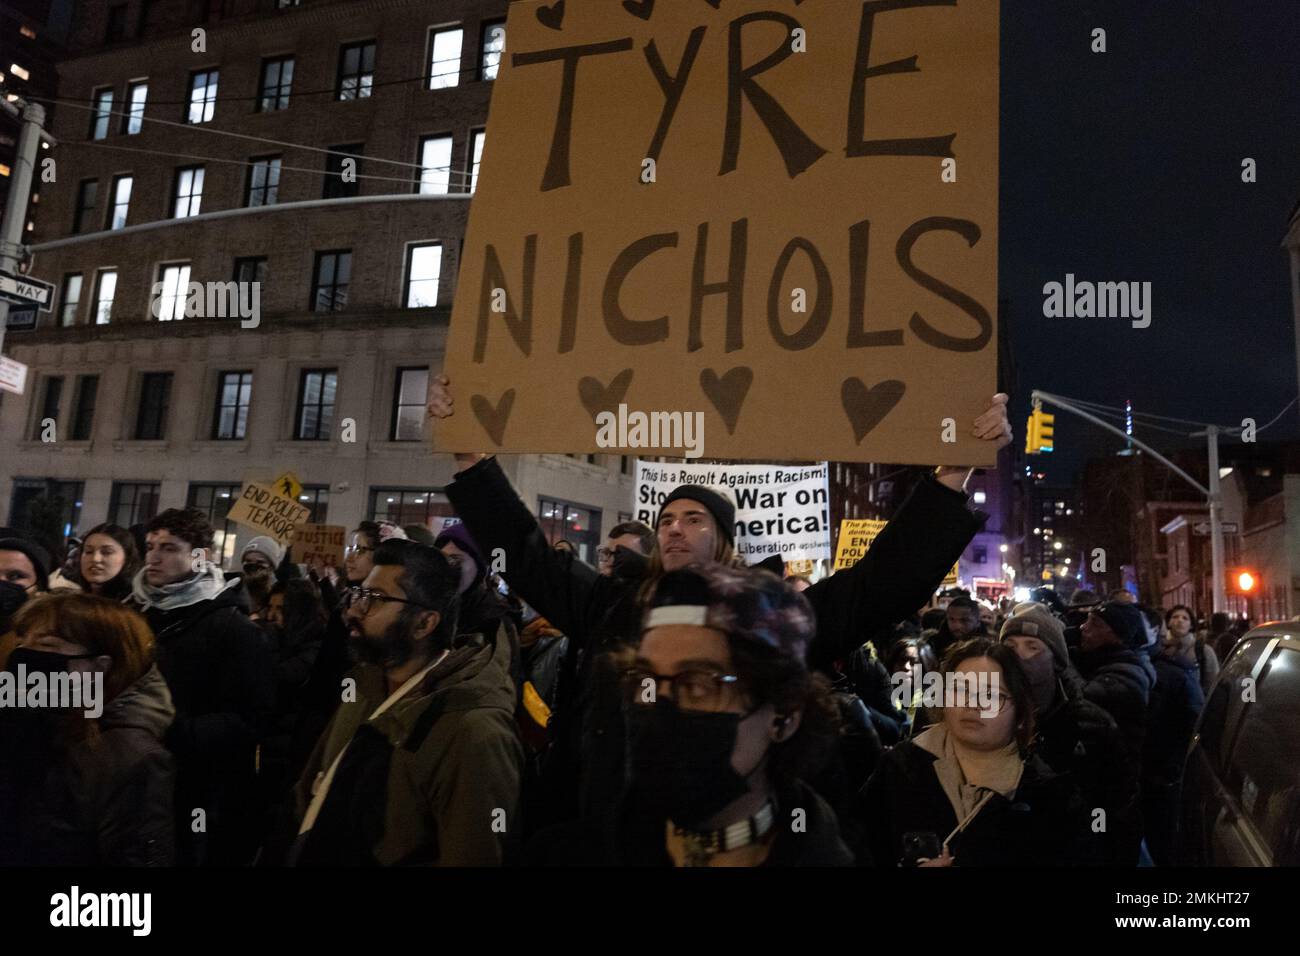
<point x="1126" y="621"/>
<point x="38" y="556"/>
<point x="269" y="548"/>
<point x="723" y="511"/>
<point x="459" y="535"/>
<point x="1035" y="620"/>
<point x="744" y="604"/>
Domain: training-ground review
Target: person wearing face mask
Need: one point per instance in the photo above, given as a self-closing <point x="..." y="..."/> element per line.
<point x="258" y="560"/>
<point x="24" y="573"/>
<point x="1176" y="702"/>
<point x="79" y="789"/>
<point x="109" y="562"/>
<point x="969" y="791"/>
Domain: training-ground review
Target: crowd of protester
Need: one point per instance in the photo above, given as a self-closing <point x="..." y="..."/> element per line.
<point x="486" y="697"/>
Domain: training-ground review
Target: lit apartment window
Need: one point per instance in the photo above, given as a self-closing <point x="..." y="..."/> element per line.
<point x="444" y="57"/>
<point x="337" y="185"/>
<point x="87" y="198"/>
<point x="356" y="71"/>
<point x="188" y="195"/>
<point x="263" y="181"/>
<point x="104" y="289"/>
<point x="316" y="393"/>
<point x="492" y="46"/>
<point x="475" y="156"/>
<point x="103" y="111"/>
<point x="121" y="199"/>
<point x="435" y="164"/>
<point x="234" y="395"/>
<point x="136" y="94"/>
<point x="423" y="267"/>
<point x="330" y="281"/>
<point x="203" y="96"/>
<point x="83" y="415"/>
<point x="409" y="396"/>
<point x="155" y="395"/>
<point x="70" y="301"/>
<point x="175" y="281"/>
<point x="277" y="77"/>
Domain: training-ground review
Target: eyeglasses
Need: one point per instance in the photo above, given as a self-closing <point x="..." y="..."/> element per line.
<point x="699" y="690"/>
<point x="361" y="598"/>
<point x="973" y="702"/>
<point x="357" y="549"/>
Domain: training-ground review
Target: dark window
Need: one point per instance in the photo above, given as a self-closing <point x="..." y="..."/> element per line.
<point x="234" y="395"/>
<point x="100" y="118"/>
<point x="119" y="201"/>
<point x="277" y="77"/>
<point x="187" y="197"/>
<point x="493" y="44"/>
<point x="155" y="393"/>
<point x="215" y="501"/>
<point x="410" y="393"/>
<point x="316" y="393"/>
<point x="1224" y="705"/>
<point x="148" y="17"/>
<point x="981" y="555"/>
<point x="423" y="269"/>
<point x="444" y="57"/>
<point x="317" y="498"/>
<point x="87" y="199"/>
<point x="341" y="182"/>
<point x="356" y="71"/>
<point x="330" y="281"/>
<point x="409" y="505"/>
<point x="202" y="102"/>
<point x="579" y="524"/>
<point x="1264" y="774"/>
<point x="133" y="502"/>
<point x="116" y="29"/>
<point x="250" y="269"/>
<point x="63" y="496"/>
<point x="50" y="403"/>
<point x="263" y="181"/>
<point x="136" y="95"/>
<point x="625" y="464"/>
<point x="70" y="301"/>
<point x="84" y="417"/>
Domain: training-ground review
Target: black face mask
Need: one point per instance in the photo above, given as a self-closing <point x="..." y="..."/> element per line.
<point x="12" y="597"/>
<point x="47" y="662"/>
<point x="680" y="761"/>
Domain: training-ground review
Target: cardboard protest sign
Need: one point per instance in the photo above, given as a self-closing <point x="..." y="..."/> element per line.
<point x="780" y="509"/>
<point x="693" y="208"/>
<point x="267" y="511"/>
<point x="324" y="542"/>
<point x="856" y="535"/>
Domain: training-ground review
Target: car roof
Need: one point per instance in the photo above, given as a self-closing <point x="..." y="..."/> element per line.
<point x="1283" y="629"/>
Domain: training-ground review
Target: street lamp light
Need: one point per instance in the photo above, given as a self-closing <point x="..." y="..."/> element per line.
<point x="1056" y="546"/>
<point x="1002" y="548"/>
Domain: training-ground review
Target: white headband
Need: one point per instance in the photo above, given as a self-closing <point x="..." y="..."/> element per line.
<point x="696" y="614"/>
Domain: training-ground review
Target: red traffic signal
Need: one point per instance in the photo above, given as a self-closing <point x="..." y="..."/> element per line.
<point x="1243" y="580"/>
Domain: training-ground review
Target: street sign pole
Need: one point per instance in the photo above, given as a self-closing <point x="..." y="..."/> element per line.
<point x="15" y="211"/>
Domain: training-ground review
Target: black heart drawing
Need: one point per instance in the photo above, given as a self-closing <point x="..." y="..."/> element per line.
<point x="867" y="407"/>
<point x="728" y="392"/>
<point x="598" y="398"/>
<point x="639" y="8"/>
<point x="492" y="419"/>
<point x="552" y="16"/>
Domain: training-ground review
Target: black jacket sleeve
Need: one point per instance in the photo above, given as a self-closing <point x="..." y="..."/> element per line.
<point x="565" y="591"/>
<point x="903" y="568"/>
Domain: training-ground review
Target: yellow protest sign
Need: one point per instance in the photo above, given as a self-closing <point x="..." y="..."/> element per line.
<point x="684" y="207"/>
<point x="856" y="535"/>
<point x="268" y="511"/>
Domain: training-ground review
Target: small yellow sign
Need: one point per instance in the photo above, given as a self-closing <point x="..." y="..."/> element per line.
<point x="856" y="535"/>
<point x="288" y="485"/>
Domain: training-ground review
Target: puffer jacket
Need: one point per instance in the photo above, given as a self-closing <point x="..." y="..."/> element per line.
<point x="107" y="799"/>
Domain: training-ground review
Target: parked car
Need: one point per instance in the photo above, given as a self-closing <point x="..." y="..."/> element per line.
<point x="1241" y="785"/>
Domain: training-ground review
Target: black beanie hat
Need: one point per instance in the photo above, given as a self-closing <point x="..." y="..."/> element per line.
<point x="38" y="556"/>
<point x="723" y="511"/>
<point x="1126" y="621"/>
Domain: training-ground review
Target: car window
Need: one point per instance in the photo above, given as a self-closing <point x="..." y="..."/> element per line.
<point x="1264" y="771"/>
<point x="1224" y="705"/>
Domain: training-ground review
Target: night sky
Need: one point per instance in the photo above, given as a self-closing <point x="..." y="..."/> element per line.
<point x="1127" y="166"/>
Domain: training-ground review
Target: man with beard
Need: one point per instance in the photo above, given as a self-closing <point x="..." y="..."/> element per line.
<point x="260" y="558"/>
<point x="420" y="763"/>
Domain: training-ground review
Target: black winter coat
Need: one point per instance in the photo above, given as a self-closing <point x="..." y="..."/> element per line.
<point x="1119" y="680"/>
<point x="105" y="800"/>
<point x="1045" y="824"/>
<point x="221" y="674"/>
<point x="905" y="564"/>
<point x="1176" y="702"/>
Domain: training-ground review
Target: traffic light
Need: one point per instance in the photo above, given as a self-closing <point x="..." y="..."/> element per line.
<point x="1243" y="581"/>
<point x="1038" y="433"/>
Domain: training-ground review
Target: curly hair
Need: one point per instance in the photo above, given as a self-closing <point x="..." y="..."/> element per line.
<point x="189" y="524"/>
